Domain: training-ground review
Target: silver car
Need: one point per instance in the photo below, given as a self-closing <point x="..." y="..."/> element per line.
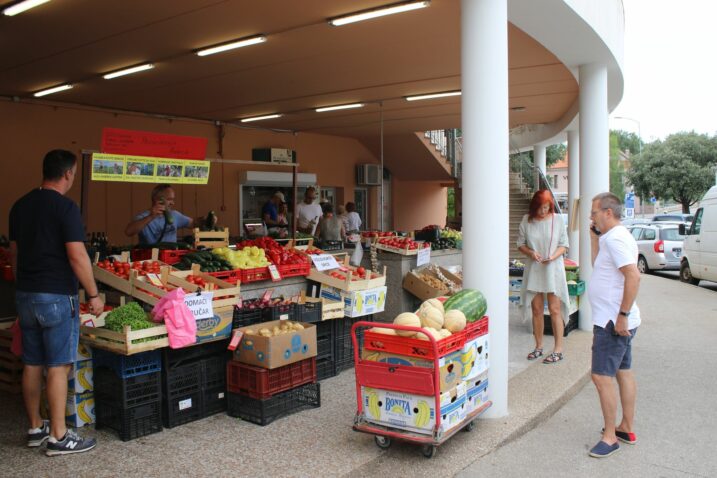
<point x="660" y="246"/>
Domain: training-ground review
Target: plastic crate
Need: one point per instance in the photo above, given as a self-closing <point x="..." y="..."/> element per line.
<point x="176" y="357"/>
<point x="231" y="276"/>
<point x="127" y="392"/>
<point x="168" y="256"/>
<point x="245" y="316"/>
<point x="261" y="383"/>
<point x="576" y="289"/>
<point x="214" y="400"/>
<point x="476" y="329"/>
<point x="330" y="245"/>
<point x="308" y="312"/>
<point x="263" y="412"/>
<point x="515" y="271"/>
<point x="326" y="368"/>
<point x="214" y="371"/>
<point x="569" y="327"/>
<point x="254" y="275"/>
<point x="325" y="337"/>
<point x="294" y="270"/>
<point x="279" y="312"/>
<point x="397" y="344"/>
<point x="129" y="423"/>
<point x="182" y="401"/>
<point x="127" y="366"/>
<point x="344" y="347"/>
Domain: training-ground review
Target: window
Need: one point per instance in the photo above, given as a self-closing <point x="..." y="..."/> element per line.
<point x="697" y="224"/>
<point x="649" y="235"/>
<point x="671" y="235"/>
<point x="636" y="233"/>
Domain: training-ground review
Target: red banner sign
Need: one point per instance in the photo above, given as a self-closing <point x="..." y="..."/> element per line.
<point x="156" y="145"/>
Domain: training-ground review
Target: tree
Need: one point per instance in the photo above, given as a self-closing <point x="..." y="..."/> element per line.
<point x="617" y="170"/>
<point x="554" y="153"/>
<point x="680" y="168"/>
<point x="627" y="141"/>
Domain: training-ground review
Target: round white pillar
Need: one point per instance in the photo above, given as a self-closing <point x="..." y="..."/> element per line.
<point x="594" y="162"/>
<point x="539" y="159"/>
<point x="573" y="191"/>
<point x="484" y="103"/>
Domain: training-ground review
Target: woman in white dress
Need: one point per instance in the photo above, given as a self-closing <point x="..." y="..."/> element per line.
<point x="543" y="239"/>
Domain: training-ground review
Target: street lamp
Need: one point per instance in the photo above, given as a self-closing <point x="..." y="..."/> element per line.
<point x="639" y="135"/>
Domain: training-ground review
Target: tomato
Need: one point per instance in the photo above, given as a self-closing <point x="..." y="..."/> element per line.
<point x="360" y="271"/>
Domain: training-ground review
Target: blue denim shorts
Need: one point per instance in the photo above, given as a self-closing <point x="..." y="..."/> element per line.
<point x="611" y="352"/>
<point x="50" y="325"/>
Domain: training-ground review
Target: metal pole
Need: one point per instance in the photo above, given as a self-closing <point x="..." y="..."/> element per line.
<point x="294" y="177"/>
<point x="381" y="175"/>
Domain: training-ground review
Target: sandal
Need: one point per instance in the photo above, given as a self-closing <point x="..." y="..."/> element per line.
<point x="555" y="357"/>
<point x="535" y="354"/>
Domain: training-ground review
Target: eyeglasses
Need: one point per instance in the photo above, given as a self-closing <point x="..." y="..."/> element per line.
<point x="594" y="213"/>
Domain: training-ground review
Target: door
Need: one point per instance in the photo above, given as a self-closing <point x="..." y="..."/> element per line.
<point x="691" y="247"/>
<point x="708" y="243"/>
<point x="361" y="201"/>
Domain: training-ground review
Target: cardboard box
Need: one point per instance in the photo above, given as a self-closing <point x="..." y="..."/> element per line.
<point x="451" y="368"/>
<point x="357" y="303"/>
<point x="277" y="351"/>
<point x="477" y="392"/>
<point x="416" y="286"/>
<point x="219" y="326"/>
<point x="81" y="377"/>
<point x="84" y="352"/>
<point x="474" y="357"/>
<point x="80" y="409"/>
<point x="414" y="412"/>
<point x="515" y="284"/>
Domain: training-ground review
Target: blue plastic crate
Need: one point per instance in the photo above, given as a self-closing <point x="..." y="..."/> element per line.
<point x="126" y="366"/>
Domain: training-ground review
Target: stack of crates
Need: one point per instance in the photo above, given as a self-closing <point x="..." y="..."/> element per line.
<point x="326" y="366"/>
<point x="128" y="393"/>
<point x="343" y="345"/>
<point x="193" y="382"/>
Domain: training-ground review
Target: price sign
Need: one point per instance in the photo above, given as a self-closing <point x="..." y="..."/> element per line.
<point x="274" y="272"/>
<point x="154" y="280"/>
<point x="200" y="304"/>
<point x="423" y="257"/>
<point x="324" y="262"/>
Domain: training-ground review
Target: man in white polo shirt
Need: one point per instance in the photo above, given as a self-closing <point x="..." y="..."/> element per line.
<point x="612" y="291"/>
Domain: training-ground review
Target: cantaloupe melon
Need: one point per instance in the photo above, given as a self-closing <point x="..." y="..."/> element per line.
<point x="407" y="318"/>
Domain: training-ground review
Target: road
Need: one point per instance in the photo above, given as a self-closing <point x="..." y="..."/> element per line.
<point x="675" y="275"/>
<point x="674" y="362"/>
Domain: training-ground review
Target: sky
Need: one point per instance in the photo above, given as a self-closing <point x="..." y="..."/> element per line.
<point x="670" y="68"/>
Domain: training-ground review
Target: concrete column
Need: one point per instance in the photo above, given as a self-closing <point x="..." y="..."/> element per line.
<point x="484" y="103"/>
<point x="539" y="159"/>
<point x="573" y="190"/>
<point x="594" y="162"/>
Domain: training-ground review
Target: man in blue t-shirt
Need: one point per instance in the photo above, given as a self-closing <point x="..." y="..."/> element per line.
<point x="49" y="256"/>
<point x="152" y="226"/>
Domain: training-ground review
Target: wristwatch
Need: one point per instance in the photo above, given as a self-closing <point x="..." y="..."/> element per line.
<point x="624" y="313"/>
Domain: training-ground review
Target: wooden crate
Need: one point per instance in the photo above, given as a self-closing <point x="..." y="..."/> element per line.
<point x="371" y="281"/>
<point x="225" y="293"/>
<point x="404" y="252"/>
<point x="10" y="364"/>
<point x="211" y="239"/>
<point x="121" y="342"/>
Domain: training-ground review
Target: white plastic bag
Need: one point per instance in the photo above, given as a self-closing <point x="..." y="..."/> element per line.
<point x="357" y="255"/>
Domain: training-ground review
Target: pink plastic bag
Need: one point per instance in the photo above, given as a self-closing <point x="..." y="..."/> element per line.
<point x="181" y="324"/>
<point x="16" y="345"/>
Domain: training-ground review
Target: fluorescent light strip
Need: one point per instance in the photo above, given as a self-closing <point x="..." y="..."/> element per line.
<point x="230" y="46"/>
<point x="431" y="96"/>
<point x="23" y="7"/>
<point x="128" y="71"/>
<point x="52" y="90"/>
<point x="379" y="12"/>
<point x="259" y="118"/>
<point x="339" y="107"/>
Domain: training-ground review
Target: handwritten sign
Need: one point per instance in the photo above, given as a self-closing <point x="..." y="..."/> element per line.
<point x="274" y="273"/>
<point x="200" y="305"/>
<point x="324" y="262"/>
<point x="423" y="257"/>
<point x="157" y="145"/>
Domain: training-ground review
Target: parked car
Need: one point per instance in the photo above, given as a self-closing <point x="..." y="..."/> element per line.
<point x="659" y="245"/>
<point x="699" y="261"/>
<point x="635" y="221"/>
<point x="674" y="217"/>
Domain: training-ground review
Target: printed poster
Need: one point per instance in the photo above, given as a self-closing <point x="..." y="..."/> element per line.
<point x="144" y="169"/>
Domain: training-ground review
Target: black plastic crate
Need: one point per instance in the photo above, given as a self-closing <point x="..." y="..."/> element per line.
<point x="308" y="312"/>
<point x="176" y="357"/>
<point x="325" y="339"/>
<point x="214" y="400"/>
<point x="326" y="368"/>
<point x="569" y="327"/>
<point x="127" y="392"/>
<point x="279" y="312"/>
<point x="344" y="350"/>
<point x="182" y="394"/>
<point x="245" y="316"/>
<point x="127" y="366"/>
<point x="129" y="423"/>
<point x="263" y="412"/>
<point x="214" y="372"/>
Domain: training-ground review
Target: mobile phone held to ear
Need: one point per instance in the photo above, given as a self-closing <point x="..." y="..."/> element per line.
<point x="594" y="229"/>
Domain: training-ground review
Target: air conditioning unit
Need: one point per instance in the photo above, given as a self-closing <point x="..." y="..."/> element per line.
<point x="368" y="175"/>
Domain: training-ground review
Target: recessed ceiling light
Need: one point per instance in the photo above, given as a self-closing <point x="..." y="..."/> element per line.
<point x="54" y="89"/>
<point x="22" y="7"/>
<point x="378" y="12"/>
<point x="430" y="96"/>
<point x="231" y="45"/>
<point x="259" y="118"/>
<point x="339" y="107"/>
<point x="128" y="71"/>
<point x="518" y="108"/>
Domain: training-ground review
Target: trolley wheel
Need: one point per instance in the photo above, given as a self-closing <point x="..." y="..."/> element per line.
<point x="429" y="451"/>
<point x="382" y="442"/>
<point x="470" y="426"/>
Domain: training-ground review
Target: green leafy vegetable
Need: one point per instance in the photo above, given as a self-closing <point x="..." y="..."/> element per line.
<point x="130" y="314"/>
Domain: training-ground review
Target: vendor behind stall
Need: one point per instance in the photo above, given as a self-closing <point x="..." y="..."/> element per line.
<point x="308" y="213"/>
<point x="161" y="222"/>
<point x="330" y="227"/>
<point x="274" y="214"/>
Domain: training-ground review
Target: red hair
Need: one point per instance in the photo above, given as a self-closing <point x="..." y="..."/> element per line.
<point x="540" y="198"/>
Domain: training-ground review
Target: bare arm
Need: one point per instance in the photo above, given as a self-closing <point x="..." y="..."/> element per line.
<point x="594" y="246"/>
<point x="134" y="227"/>
<point x="530" y="253"/>
<point x="629" y="294"/>
<point x="81" y="266"/>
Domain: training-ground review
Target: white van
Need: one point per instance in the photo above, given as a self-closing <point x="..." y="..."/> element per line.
<point x="699" y="251"/>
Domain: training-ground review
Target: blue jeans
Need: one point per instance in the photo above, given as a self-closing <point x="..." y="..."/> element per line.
<point x="50" y="325"/>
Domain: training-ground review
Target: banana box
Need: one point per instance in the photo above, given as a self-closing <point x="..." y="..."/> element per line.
<point x="84" y="352"/>
<point x="477" y="393"/>
<point x="357" y="303"/>
<point x="475" y="357"/>
<point x="414" y="412"/>
<point x="216" y="327"/>
<point x="81" y="377"/>
<point x="80" y="409"/>
<point x="451" y="368"/>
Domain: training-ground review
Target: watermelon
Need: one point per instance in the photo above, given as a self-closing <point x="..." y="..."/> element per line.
<point x="469" y="301"/>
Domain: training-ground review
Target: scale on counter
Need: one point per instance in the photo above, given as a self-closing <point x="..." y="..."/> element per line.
<point x="255" y="229"/>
